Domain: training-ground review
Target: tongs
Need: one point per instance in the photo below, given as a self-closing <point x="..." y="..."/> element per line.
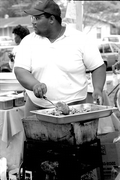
<point x="44" y="97"/>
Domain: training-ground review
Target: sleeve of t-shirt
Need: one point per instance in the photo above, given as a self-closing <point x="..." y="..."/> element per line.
<point x="91" y="55"/>
<point x="23" y="55"/>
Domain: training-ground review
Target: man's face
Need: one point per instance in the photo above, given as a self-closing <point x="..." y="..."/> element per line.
<point x="40" y="24"/>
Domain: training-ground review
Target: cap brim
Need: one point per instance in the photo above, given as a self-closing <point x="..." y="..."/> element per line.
<point x="33" y="12"/>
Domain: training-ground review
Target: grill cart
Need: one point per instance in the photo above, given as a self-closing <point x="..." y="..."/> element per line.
<point x="63" y="147"/>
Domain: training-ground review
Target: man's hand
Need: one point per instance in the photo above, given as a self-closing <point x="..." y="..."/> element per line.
<point x="12" y="57"/>
<point x="39" y="89"/>
<point x="97" y="97"/>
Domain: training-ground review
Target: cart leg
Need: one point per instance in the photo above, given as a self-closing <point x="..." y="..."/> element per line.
<point x="100" y="161"/>
<point x="24" y="161"/>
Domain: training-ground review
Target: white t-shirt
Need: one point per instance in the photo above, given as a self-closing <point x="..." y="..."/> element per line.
<point x="60" y="65"/>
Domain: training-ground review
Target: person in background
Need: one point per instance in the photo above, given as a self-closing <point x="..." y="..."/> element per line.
<point x="19" y="33"/>
<point x="116" y="67"/>
<point x="52" y="61"/>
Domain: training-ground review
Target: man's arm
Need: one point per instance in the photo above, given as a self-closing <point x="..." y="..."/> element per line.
<point x="27" y="80"/>
<point x="98" y="80"/>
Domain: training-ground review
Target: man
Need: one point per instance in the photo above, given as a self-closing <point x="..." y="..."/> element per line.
<point x="52" y="61"/>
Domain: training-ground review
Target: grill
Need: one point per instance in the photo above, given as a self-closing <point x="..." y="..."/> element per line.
<point x="72" y="133"/>
<point x="72" y="162"/>
<point x="63" y="148"/>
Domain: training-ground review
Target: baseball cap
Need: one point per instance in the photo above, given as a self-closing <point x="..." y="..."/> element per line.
<point x="45" y="6"/>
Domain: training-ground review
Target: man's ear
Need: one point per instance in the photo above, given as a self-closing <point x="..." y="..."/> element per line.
<point x="52" y="19"/>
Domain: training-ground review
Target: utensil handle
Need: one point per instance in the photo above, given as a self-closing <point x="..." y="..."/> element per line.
<point x="44" y="97"/>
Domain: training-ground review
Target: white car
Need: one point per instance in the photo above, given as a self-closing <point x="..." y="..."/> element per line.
<point x="6" y="41"/>
<point x="110" y="53"/>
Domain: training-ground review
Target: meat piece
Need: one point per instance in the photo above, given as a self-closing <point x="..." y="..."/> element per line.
<point x="63" y="107"/>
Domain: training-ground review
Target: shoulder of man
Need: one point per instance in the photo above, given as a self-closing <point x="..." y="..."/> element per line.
<point x="29" y="38"/>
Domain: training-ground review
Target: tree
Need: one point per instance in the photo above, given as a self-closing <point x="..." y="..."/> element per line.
<point x="104" y="10"/>
<point x="108" y="10"/>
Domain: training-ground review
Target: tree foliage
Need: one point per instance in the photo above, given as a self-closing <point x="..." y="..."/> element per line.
<point x="108" y="10"/>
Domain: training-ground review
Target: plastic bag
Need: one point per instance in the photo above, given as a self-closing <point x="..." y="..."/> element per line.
<point x="116" y="122"/>
<point x="106" y="124"/>
<point x="115" y="79"/>
<point x="3" y="168"/>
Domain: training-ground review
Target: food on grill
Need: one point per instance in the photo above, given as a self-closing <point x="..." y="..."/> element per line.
<point x="62" y="108"/>
<point x="82" y="109"/>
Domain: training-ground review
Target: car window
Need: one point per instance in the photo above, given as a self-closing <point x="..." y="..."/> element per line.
<point x="107" y="48"/>
<point x="118" y="46"/>
<point x="113" y="39"/>
<point x="115" y="48"/>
